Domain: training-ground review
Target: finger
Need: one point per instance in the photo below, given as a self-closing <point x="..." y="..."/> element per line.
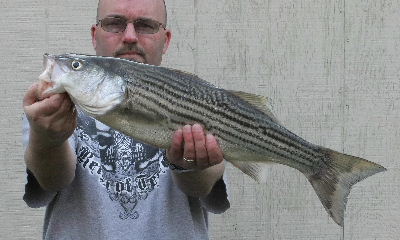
<point x="65" y="105"/>
<point x="74" y="114"/>
<point x="188" y="146"/>
<point x="215" y="154"/>
<point x="65" y="117"/>
<point x="200" y="146"/>
<point x="175" y="152"/>
<point x="73" y="117"/>
<point x="70" y="112"/>
<point x="45" y="107"/>
<point x="56" y="105"/>
<point x="51" y="113"/>
<point x="40" y="110"/>
<point x="30" y="96"/>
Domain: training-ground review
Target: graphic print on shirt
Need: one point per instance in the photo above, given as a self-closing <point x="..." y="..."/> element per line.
<point x="128" y="170"/>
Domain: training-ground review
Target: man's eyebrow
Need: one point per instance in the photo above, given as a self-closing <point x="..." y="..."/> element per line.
<point x="116" y="16"/>
<point x="123" y="17"/>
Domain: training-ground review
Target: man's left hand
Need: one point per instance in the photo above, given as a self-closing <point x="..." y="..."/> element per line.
<point x="192" y="148"/>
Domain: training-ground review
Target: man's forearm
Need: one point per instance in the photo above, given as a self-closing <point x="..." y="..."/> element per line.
<point x="199" y="183"/>
<point x="52" y="166"/>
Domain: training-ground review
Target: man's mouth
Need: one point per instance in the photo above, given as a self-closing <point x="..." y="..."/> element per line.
<point x="132" y="55"/>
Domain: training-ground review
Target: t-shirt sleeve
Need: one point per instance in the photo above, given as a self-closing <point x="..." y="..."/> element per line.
<point x="217" y="201"/>
<point x="35" y="196"/>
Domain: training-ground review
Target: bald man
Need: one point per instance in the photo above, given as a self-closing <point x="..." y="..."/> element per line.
<point x="97" y="183"/>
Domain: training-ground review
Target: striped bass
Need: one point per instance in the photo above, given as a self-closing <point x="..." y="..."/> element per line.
<point x="150" y="102"/>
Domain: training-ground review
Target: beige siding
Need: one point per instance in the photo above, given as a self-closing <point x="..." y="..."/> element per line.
<point x="331" y="70"/>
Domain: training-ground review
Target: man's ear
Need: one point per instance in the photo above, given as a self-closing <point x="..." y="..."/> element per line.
<point x="168" y="36"/>
<point x="93" y="30"/>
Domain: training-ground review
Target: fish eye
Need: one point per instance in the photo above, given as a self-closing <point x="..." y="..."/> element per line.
<point x="76" y="65"/>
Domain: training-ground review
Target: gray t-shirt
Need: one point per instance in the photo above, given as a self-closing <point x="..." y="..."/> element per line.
<point x="123" y="189"/>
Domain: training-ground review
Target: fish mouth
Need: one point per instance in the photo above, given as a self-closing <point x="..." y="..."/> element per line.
<point x="48" y="76"/>
<point x="48" y="66"/>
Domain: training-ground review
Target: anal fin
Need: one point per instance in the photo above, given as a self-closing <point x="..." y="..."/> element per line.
<point x="255" y="170"/>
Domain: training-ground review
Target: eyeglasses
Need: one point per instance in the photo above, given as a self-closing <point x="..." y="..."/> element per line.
<point x="118" y="24"/>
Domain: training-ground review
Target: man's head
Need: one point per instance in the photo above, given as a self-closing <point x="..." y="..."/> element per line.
<point x="132" y="43"/>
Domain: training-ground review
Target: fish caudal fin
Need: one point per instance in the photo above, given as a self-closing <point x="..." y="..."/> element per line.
<point x="332" y="184"/>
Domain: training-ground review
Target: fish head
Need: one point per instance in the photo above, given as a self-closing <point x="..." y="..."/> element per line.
<point x="89" y="85"/>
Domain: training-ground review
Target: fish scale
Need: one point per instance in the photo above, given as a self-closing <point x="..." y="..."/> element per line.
<point x="149" y="103"/>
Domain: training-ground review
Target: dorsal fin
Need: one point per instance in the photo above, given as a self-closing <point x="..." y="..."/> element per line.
<point x="260" y="102"/>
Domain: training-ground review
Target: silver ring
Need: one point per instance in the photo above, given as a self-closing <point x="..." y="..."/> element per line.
<point x="188" y="160"/>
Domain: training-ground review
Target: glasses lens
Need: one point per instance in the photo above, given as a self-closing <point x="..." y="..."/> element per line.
<point x="146" y="26"/>
<point x="112" y="24"/>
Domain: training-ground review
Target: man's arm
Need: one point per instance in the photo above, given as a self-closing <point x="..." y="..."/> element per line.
<point x="49" y="155"/>
<point x="191" y="148"/>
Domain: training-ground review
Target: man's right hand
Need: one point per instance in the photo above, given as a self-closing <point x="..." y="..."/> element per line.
<point x="52" y="121"/>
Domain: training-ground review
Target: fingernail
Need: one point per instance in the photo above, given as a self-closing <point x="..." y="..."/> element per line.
<point x="211" y="138"/>
<point x="178" y="131"/>
<point x="197" y="127"/>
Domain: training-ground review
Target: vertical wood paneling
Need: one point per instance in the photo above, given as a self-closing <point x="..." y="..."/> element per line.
<point x="329" y="68"/>
<point x="29" y="29"/>
<point x="372" y="114"/>
<point x="18" y="41"/>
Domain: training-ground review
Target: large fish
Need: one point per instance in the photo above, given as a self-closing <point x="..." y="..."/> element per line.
<point x="150" y="102"/>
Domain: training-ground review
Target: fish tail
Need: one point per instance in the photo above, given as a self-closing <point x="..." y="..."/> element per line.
<point x="333" y="182"/>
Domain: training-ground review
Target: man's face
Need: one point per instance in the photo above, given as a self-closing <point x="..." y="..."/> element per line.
<point x="146" y="48"/>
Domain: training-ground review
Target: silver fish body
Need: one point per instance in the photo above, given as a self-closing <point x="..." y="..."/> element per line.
<point x="150" y="102"/>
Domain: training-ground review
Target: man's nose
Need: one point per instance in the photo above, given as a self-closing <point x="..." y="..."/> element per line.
<point x="130" y="35"/>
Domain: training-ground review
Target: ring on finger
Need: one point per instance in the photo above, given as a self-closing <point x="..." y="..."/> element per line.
<point x="188" y="160"/>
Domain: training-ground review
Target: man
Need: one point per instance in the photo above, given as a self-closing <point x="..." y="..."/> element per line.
<point x="100" y="184"/>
